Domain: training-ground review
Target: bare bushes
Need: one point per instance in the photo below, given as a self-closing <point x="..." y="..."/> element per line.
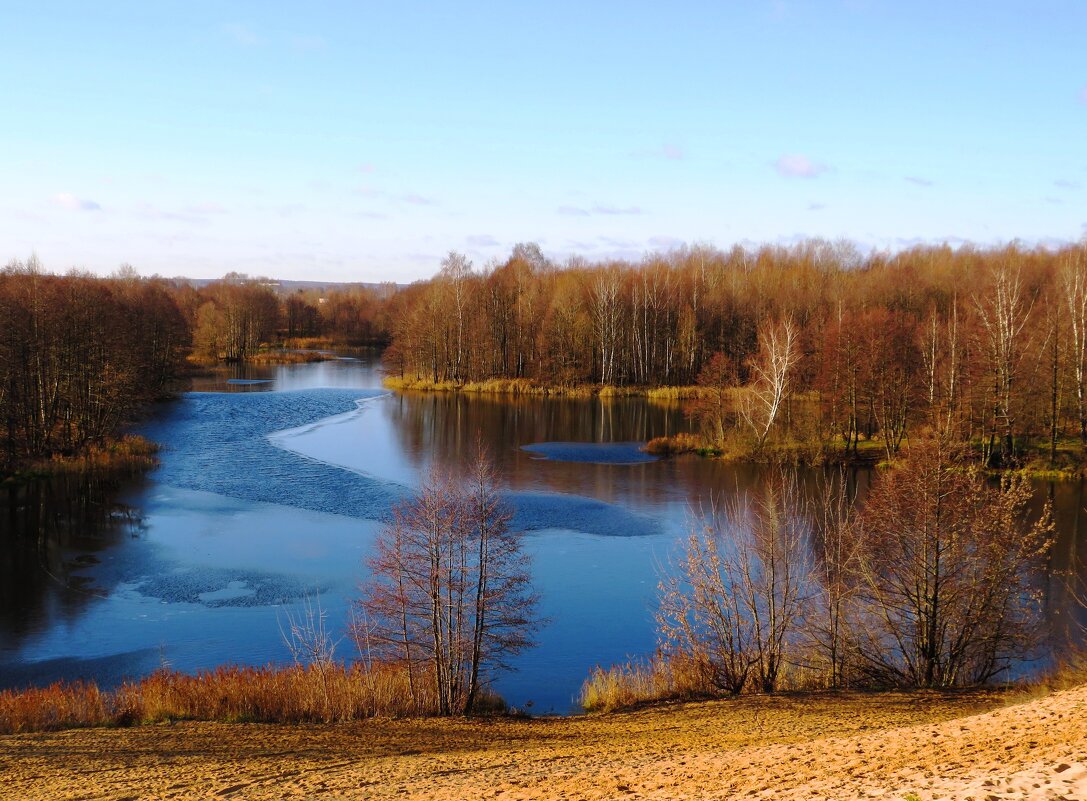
<point x="944" y="579"/>
<point x="931" y="582"/>
<point x="733" y="603"/>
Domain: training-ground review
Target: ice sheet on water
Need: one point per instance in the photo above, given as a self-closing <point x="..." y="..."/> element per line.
<point x="219" y="443"/>
<point x="618" y="453"/>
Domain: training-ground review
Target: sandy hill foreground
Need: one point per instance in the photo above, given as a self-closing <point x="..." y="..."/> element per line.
<point x="899" y="746"/>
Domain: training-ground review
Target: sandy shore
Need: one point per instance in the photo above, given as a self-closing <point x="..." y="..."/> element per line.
<point x="978" y="746"/>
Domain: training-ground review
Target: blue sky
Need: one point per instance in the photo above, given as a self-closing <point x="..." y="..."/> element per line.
<point x="362" y="141"/>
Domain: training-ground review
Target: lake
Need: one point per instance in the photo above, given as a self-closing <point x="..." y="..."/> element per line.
<point x="272" y="487"/>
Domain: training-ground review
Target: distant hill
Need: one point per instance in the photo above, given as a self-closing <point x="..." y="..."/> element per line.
<point x="286" y="287"/>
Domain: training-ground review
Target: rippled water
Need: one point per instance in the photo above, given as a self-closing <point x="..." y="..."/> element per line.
<point x="272" y="486"/>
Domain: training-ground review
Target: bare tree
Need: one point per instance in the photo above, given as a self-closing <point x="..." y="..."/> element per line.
<point x="455" y="271"/>
<point x="310" y="643"/>
<point x="606" y="315"/>
<point x="945" y="570"/>
<point x="450" y="596"/>
<point x="835" y="551"/>
<point x="734" y="602"/>
<point x="1073" y="277"/>
<point x="771" y="376"/>
<point x="1004" y="313"/>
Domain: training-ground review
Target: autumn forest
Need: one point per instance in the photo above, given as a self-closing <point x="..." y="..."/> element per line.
<point x="812" y="352"/>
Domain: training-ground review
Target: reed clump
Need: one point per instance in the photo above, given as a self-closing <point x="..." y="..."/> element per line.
<point x="678" y="677"/>
<point x="129" y="452"/>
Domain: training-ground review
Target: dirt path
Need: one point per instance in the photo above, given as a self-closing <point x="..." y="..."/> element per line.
<point x="811" y="747"/>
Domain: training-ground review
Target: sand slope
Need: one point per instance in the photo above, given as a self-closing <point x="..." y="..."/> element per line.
<point x="968" y="746"/>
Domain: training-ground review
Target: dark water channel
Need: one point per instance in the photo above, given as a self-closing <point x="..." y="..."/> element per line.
<point x="272" y="485"/>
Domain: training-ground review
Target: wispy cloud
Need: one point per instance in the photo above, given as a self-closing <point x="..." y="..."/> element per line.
<point x="795" y="165"/>
<point x="1083" y="94"/>
<point x="197" y="213"/>
<point x="665" y="242"/>
<point x="816" y="206"/>
<point x="918" y="181"/>
<point x="241" y="34"/>
<point x="482" y="241"/>
<point x="411" y="198"/>
<point x="69" y="201"/>
<point x="367" y="168"/>
<point x="600" y="209"/>
<point x="1062" y="183"/>
<point x="668" y="151"/>
<point x="307" y="44"/>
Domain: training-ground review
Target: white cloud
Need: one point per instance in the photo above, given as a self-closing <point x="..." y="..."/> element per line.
<point x="572" y="211"/>
<point x="795" y="165"/>
<point x="69" y="201"/>
<point x="482" y="241"/>
<point x="913" y="179"/>
<point x="1083" y="94"/>
<point x="612" y="211"/>
<point x="1062" y="183"/>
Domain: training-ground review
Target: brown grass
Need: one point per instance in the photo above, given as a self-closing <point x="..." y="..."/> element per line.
<point x="313" y="694"/>
<point x="288" y="357"/>
<point x="130" y="452"/>
<point x="526" y="386"/>
<point x="678" y="678"/>
<point x="679" y="443"/>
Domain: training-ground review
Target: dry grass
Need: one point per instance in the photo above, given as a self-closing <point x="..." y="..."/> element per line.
<point x="273" y="356"/>
<point x="130" y="452"/>
<point x="526" y="386"/>
<point x="1069" y="671"/>
<point x="313" y="694"/>
<point x="679" y="443"/>
<point x="308" y="343"/>
<point x="677" y="678"/>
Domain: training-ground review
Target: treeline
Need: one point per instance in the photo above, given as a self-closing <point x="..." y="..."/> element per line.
<point x="233" y="318"/>
<point x="78" y="356"/>
<point x="812" y="344"/>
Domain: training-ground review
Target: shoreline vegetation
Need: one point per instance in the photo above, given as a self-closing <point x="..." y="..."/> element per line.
<point x="337" y="693"/>
<point x="128" y="453"/>
<point x="1064" y="460"/>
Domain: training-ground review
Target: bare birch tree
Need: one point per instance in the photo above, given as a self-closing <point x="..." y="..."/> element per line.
<point x="771" y="376"/>
<point x="1073" y="278"/>
<point x="1003" y="313"/>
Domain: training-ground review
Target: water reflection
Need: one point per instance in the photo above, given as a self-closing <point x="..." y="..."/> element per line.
<point x="53" y="532"/>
